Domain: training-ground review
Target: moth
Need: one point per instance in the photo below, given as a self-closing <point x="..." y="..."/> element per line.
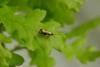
<point x="45" y="32"/>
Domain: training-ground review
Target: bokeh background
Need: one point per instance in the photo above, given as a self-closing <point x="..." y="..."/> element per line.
<point x="89" y="10"/>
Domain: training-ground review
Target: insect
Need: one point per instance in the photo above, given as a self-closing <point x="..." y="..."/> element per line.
<point x="45" y="32"/>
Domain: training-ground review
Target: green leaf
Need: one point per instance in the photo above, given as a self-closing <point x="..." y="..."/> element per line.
<point x="4" y="52"/>
<point x="59" y="10"/>
<point x="5" y="55"/>
<point x="84" y="28"/>
<point x="73" y="4"/>
<point x="79" y="50"/>
<point x="41" y="58"/>
<point x="4" y="63"/>
<point x="4" y="39"/>
<point x="48" y="42"/>
<point x="45" y="44"/>
<point x="22" y="28"/>
<point x="16" y="60"/>
<point x="89" y="55"/>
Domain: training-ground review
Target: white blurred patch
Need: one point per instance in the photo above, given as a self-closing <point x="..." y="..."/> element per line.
<point x="23" y="13"/>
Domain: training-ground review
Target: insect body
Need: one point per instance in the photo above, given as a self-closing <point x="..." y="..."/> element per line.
<point x="45" y="33"/>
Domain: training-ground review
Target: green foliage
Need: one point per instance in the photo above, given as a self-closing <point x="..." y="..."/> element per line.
<point x="19" y="3"/>
<point x="3" y="2"/>
<point x="23" y="20"/>
<point x="7" y="58"/>
<point x="55" y="9"/>
<point x="89" y="55"/>
<point x="80" y="51"/>
<point x="60" y="10"/>
<point x="84" y="28"/>
<point x="4" y="39"/>
<point x="41" y="58"/>
<point x="15" y="60"/>
<point x="5" y="55"/>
